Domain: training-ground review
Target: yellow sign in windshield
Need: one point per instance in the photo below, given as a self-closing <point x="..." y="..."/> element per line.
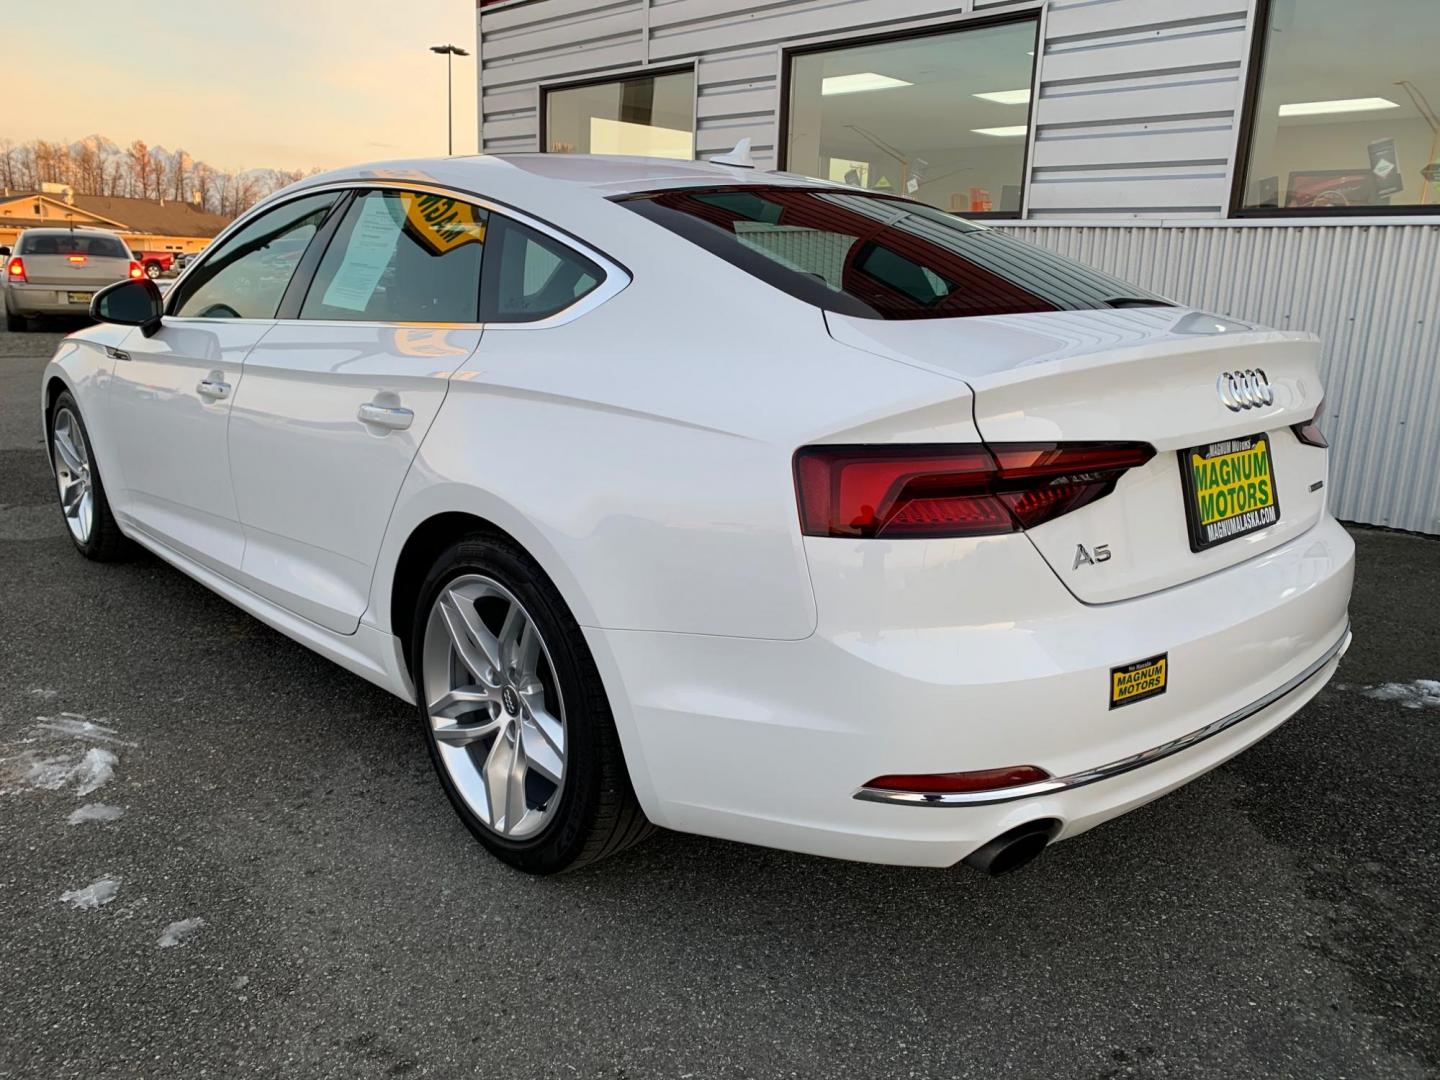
<point x="443" y="224"/>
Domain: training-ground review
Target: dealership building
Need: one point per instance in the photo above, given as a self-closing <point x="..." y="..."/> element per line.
<point x="1275" y="161"/>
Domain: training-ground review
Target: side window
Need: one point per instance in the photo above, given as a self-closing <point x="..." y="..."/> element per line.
<point x="401" y="256"/>
<point x="529" y="276"/>
<point x="245" y="277"/>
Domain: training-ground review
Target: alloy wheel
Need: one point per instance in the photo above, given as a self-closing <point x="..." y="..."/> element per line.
<point x="494" y="706"/>
<point x="72" y="475"/>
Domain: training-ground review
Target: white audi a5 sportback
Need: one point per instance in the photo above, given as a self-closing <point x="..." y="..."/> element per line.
<point x="728" y="501"/>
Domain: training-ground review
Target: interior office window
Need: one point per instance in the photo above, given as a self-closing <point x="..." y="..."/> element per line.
<point x="401" y="256"/>
<point x="942" y="118"/>
<point x="245" y="277"/>
<point x="1344" y="115"/>
<point x="650" y="116"/>
<point x="529" y="276"/>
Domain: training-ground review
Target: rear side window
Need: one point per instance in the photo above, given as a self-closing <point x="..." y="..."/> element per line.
<point x="245" y="277"/>
<point x="530" y="276"/>
<point x="878" y="257"/>
<point x="402" y="256"/>
<point x="99" y="247"/>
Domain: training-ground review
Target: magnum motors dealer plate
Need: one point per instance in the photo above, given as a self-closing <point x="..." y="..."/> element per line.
<point x="1229" y="490"/>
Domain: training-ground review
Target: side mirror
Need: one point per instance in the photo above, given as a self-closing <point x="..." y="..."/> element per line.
<point x="132" y="302"/>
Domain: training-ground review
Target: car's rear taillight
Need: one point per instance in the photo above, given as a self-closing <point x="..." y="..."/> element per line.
<point x="16" y="270"/>
<point x="1309" y="432"/>
<point x="968" y="489"/>
<point x="136" y="270"/>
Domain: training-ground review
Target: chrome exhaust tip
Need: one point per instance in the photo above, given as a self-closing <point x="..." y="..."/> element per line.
<point x="1014" y="848"/>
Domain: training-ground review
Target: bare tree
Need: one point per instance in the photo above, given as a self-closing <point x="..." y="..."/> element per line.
<point x="138" y="156"/>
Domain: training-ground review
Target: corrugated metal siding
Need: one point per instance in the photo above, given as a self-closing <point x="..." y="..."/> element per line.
<point x="1369" y="291"/>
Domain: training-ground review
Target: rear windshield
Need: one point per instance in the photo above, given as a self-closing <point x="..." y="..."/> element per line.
<point x="100" y="247"/>
<point x="879" y="257"/>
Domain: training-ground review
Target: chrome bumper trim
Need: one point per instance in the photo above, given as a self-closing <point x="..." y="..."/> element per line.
<point x="1114" y="768"/>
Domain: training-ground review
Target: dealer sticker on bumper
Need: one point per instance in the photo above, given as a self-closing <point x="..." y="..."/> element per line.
<point x="1138" y="681"/>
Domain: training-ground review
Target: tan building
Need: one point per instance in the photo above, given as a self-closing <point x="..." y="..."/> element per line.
<point x="144" y="224"/>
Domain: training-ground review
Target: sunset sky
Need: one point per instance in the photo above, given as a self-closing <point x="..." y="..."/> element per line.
<point x="241" y="83"/>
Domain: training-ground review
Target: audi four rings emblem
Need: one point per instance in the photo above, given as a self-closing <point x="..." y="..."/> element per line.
<point x="1248" y="389"/>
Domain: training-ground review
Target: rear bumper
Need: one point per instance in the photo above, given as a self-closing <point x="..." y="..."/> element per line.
<point x="46" y="299"/>
<point x="1057" y="784"/>
<point x="768" y="742"/>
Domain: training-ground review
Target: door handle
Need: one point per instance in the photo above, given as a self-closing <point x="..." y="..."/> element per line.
<point x="390" y="417"/>
<point x="212" y="387"/>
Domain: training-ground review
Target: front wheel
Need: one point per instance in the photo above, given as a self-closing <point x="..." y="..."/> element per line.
<point x="83" y="503"/>
<point x="515" y="716"/>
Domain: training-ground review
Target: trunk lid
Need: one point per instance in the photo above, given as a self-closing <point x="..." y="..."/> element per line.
<point x="88" y="272"/>
<point x="1146" y="374"/>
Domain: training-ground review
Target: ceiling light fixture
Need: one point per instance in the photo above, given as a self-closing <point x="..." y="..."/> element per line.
<point x="859" y="83"/>
<point x="1341" y="105"/>
<point x="1006" y="97"/>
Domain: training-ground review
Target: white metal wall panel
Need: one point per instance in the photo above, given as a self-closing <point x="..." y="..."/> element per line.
<point x="1367" y="290"/>
<point x="1147" y="90"/>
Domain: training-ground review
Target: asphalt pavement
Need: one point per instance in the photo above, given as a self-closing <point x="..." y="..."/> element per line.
<point x="293" y="897"/>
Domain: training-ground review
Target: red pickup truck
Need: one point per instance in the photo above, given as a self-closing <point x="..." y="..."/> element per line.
<point x="155" y="262"/>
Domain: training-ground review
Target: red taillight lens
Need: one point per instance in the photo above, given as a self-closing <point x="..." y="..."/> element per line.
<point x="16" y="270"/>
<point x="949" y="783"/>
<point x="1309" y="432"/>
<point x="953" y="490"/>
<point x="136" y="270"/>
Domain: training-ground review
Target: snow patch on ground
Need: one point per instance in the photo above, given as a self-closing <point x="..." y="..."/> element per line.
<point x="95" y="812"/>
<point x="1419" y="694"/>
<point x="96" y="894"/>
<point x="89" y="771"/>
<point x="74" y="726"/>
<point x="177" y="932"/>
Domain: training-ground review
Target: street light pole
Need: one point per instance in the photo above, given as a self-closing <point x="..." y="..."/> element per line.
<point x="449" y="52"/>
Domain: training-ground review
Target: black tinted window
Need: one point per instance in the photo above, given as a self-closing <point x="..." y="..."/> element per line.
<point x="100" y="247"/>
<point x="529" y="276"/>
<point x="878" y="257"/>
<point x="401" y="256"/>
<point x="245" y="277"/>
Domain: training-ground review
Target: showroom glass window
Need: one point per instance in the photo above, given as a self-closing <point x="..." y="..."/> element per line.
<point x="1340" y="119"/>
<point x="940" y="118"/>
<point x="650" y="116"/>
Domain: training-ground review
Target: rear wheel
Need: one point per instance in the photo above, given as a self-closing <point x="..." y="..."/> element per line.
<point x="517" y="721"/>
<point x="16" y="324"/>
<point x="83" y="503"/>
<point x="152" y="270"/>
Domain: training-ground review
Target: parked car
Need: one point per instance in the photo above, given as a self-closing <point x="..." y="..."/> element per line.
<point x="156" y="263"/>
<point x="58" y="271"/>
<point x="727" y="501"/>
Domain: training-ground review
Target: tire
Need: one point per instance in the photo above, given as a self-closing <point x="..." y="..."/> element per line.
<point x="97" y="536"/>
<point x="16" y="324"/>
<point x="152" y="270"/>
<point x="592" y="811"/>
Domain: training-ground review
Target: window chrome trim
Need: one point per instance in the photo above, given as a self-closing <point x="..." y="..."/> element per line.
<point x="1059" y="784"/>
<point x="617" y="277"/>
